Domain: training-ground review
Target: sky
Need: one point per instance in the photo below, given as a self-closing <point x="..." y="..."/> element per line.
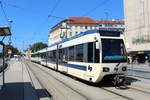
<point x="31" y="23"/>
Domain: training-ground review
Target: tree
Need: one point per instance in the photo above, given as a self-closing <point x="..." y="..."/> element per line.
<point x="14" y="51"/>
<point x="38" y="46"/>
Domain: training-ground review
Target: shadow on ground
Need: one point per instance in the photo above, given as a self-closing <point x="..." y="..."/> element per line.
<point x="21" y="91"/>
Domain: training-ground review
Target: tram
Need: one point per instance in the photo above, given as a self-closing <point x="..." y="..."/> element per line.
<point x="90" y="55"/>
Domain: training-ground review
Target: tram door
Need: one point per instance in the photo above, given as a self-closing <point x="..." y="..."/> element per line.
<point x="93" y="56"/>
<point x="57" y="58"/>
<point x="64" y="60"/>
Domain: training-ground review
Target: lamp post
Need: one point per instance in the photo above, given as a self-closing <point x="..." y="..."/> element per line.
<point x="10" y="41"/>
<point x="10" y="22"/>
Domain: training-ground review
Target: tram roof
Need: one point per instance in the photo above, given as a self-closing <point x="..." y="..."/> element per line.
<point x="101" y="32"/>
<point x="89" y="32"/>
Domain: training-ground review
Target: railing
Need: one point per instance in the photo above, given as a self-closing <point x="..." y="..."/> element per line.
<point x="2" y="68"/>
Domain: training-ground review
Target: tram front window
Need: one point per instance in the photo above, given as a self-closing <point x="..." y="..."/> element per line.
<point x="113" y="50"/>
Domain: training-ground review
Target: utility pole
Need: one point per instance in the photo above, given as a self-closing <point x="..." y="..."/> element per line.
<point x="23" y="44"/>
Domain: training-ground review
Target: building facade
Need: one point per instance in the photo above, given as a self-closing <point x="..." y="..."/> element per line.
<point x="75" y="25"/>
<point x="137" y="26"/>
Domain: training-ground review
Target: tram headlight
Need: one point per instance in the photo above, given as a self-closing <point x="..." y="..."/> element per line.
<point x="124" y="68"/>
<point x="106" y="69"/>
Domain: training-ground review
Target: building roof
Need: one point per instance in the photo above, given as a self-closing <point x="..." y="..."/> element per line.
<point x="88" y="20"/>
<point x="109" y="22"/>
<point x="81" y="20"/>
<point x="85" y="20"/>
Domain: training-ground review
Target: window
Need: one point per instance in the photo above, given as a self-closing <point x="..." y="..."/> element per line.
<point x="71" y="53"/>
<point x="90" y="52"/>
<point x="65" y="54"/>
<point x="86" y="27"/>
<point x="52" y="55"/>
<point x="43" y="55"/>
<point x="93" y="53"/>
<point x="79" y="53"/>
<point x="60" y="55"/>
<point x="70" y="33"/>
<point x="96" y="60"/>
<point x="113" y="50"/>
<point x="76" y="32"/>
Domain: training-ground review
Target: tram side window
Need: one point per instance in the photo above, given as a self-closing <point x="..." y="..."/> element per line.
<point x="60" y="55"/>
<point x="71" y="53"/>
<point x="79" y="53"/>
<point x="43" y="55"/>
<point x="90" y="52"/>
<point x="32" y="55"/>
<point x="37" y="55"/>
<point x="40" y="54"/>
<point x="65" y="54"/>
<point x="52" y="55"/>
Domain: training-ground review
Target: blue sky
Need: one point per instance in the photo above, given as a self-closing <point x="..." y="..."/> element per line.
<point x="30" y="17"/>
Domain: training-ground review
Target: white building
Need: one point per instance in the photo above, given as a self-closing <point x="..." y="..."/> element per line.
<point x="75" y="25"/>
<point x="137" y="21"/>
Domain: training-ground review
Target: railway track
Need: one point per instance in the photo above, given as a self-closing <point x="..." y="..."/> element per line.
<point x="139" y="76"/>
<point x="46" y="93"/>
<point x="133" y="89"/>
<point x="125" y="94"/>
<point x="79" y="92"/>
<point x="128" y="98"/>
<point x="86" y="98"/>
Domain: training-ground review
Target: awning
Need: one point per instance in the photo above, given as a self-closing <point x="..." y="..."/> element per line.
<point x="5" y="31"/>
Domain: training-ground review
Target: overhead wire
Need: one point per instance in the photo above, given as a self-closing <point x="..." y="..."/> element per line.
<point x="12" y="5"/>
<point x="7" y="20"/>
<point x="53" y="9"/>
<point x="102" y="3"/>
<point x="4" y="12"/>
<point x="50" y="14"/>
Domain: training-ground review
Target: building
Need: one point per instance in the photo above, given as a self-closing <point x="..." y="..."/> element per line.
<point x="75" y="25"/>
<point x="137" y="27"/>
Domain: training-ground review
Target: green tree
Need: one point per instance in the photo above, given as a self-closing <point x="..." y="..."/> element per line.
<point x="38" y="46"/>
<point x="14" y="50"/>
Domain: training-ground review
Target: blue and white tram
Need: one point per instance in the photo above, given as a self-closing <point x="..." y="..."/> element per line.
<point x="91" y="55"/>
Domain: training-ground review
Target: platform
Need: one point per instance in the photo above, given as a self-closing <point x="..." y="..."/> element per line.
<point x="18" y="84"/>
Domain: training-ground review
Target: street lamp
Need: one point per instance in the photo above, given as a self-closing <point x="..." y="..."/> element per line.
<point x="10" y="22"/>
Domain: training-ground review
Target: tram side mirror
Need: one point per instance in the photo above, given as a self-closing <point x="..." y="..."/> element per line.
<point x="97" y="45"/>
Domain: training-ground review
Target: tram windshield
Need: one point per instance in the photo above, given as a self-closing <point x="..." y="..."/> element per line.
<point x="113" y="50"/>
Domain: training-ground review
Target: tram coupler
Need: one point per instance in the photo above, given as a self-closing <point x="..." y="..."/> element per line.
<point x="120" y="80"/>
